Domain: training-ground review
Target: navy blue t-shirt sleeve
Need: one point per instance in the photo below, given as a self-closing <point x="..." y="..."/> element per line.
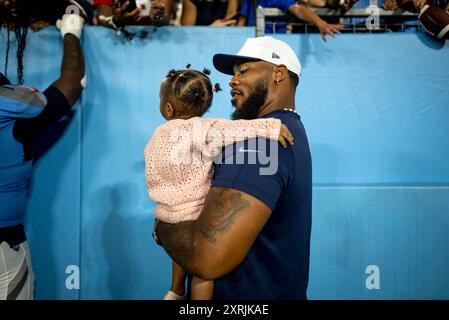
<point x="265" y="182"/>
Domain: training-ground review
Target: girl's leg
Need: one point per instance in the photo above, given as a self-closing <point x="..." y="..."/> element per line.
<point x="202" y="289"/>
<point x="178" y="279"/>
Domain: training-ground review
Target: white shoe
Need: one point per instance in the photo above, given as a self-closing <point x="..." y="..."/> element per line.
<point x="170" y="295"/>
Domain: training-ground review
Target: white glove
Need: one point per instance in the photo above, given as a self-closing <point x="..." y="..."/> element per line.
<point x="70" y="23"/>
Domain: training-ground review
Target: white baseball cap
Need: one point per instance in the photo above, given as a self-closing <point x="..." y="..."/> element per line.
<point x="267" y="49"/>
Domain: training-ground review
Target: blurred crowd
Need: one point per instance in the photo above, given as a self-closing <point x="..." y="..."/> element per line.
<point x="117" y="14"/>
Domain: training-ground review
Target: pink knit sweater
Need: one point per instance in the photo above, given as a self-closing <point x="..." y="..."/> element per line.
<point x="179" y="160"/>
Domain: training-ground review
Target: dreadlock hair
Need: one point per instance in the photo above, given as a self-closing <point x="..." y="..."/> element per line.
<point x="19" y="24"/>
<point x="190" y="90"/>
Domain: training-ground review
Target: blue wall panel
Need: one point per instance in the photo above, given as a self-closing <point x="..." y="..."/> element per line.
<point x="374" y="107"/>
<point x="402" y="230"/>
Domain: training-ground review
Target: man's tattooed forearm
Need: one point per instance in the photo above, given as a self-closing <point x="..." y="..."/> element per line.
<point x="221" y="209"/>
<point x="73" y="56"/>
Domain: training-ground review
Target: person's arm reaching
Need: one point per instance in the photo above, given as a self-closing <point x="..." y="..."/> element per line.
<point x="189" y="13"/>
<point x="117" y="17"/>
<point x="231" y="10"/>
<point x="161" y="12"/>
<point x="304" y="13"/>
<point x="104" y="13"/>
<point x="72" y="67"/>
<point x="244" y="13"/>
<point x="241" y="21"/>
<point x="220" y="239"/>
<point x="62" y="94"/>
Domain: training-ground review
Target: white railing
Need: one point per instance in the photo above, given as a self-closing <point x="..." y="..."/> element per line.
<point x="263" y="13"/>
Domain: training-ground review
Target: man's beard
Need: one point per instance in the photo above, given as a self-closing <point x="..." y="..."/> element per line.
<point x="250" y="108"/>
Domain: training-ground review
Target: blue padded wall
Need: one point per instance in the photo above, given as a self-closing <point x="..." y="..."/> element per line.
<point x="375" y="108"/>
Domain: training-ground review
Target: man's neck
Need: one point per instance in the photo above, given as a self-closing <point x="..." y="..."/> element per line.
<point x="268" y="108"/>
<point x="278" y="101"/>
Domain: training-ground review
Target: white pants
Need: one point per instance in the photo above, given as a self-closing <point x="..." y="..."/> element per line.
<point x="16" y="274"/>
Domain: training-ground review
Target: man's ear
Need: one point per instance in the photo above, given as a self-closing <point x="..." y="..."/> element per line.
<point x="280" y="73"/>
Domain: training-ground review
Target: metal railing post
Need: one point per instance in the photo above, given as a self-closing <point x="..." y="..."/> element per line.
<point x="260" y="22"/>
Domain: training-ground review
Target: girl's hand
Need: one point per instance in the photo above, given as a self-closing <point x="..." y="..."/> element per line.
<point x="285" y="136"/>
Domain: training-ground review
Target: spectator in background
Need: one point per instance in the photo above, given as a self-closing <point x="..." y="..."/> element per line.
<point x="415" y="5"/>
<point x="115" y="14"/>
<point x="209" y="12"/>
<point x="300" y="11"/>
<point x="331" y="4"/>
<point x="391" y="5"/>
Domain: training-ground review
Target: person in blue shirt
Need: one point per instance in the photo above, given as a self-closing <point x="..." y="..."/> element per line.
<point x="253" y="236"/>
<point x="300" y="11"/>
<point x="24" y="113"/>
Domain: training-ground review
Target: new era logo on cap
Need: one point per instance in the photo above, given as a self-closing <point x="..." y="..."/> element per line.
<point x="266" y="48"/>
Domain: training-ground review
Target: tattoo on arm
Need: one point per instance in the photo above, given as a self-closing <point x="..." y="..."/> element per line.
<point x="72" y="69"/>
<point x="73" y="60"/>
<point x="220" y="212"/>
<point x="221" y="209"/>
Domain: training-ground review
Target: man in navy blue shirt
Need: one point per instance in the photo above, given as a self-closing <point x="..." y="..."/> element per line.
<point x="253" y="235"/>
<point x="24" y="113"/>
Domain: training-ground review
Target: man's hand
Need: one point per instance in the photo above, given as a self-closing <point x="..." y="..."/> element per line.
<point x="157" y="13"/>
<point x="326" y="28"/>
<point x="390" y="5"/>
<point x="70" y="24"/>
<point x="304" y="13"/>
<point x="419" y="4"/>
<point x="223" y="23"/>
<point x="122" y="18"/>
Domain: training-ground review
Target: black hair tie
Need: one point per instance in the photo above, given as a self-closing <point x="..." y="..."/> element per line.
<point x="217" y="87"/>
<point x="206" y="71"/>
<point x="172" y="74"/>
